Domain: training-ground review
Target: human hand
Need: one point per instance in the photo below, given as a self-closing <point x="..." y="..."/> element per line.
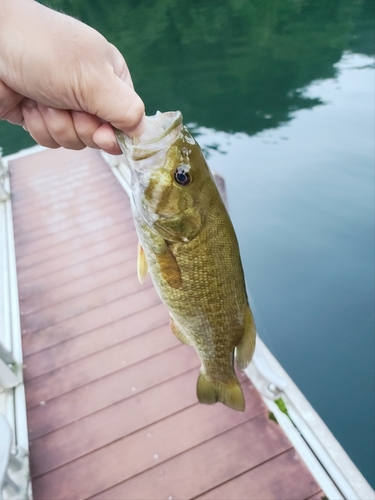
<point x="63" y="81"/>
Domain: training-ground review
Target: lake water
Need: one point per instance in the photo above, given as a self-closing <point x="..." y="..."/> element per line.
<point x="281" y="97"/>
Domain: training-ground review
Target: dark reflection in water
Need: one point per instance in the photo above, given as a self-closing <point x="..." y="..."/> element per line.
<point x="241" y="66"/>
<point x="237" y="66"/>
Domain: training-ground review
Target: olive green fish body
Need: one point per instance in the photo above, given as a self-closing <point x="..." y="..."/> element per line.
<point x="188" y="244"/>
<point x="206" y="304"/>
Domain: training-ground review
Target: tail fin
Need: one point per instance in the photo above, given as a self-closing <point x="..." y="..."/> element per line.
<point x="210" y="391"/>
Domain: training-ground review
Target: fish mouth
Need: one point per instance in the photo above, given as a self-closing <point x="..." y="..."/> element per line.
<point x="161" y="131"/>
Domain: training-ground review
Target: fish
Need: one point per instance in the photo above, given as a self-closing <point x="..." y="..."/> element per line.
<point x="188" y="244"/>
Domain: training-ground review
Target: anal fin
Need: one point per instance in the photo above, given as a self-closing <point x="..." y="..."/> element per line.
<point x="211" y="391"/>
<point x="182" y="337"/>
<point x="245" y="349"/>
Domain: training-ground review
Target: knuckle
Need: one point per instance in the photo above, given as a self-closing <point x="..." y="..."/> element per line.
<point x="76" y="146"/>
<point x="47" y="142"/>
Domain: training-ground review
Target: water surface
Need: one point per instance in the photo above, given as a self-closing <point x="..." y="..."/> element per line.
<point x="281" y="95"/>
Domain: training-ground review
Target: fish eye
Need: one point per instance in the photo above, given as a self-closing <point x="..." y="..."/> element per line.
<point x="181" y="176"/>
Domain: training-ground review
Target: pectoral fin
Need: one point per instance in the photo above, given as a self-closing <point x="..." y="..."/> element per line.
<point x="245" y="349"/>
<point x="142" y="266"/>
<point x="169" y="268"/>
<point x="211" y="391"/>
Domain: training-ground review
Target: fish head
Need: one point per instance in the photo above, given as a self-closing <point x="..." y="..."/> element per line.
<point x="169" y="174"/>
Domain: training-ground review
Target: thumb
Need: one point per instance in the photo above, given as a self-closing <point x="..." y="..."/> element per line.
<point x="117" y="102"/>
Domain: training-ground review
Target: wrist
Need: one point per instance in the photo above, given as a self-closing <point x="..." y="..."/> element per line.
<point x="14" y="16"/>
<point x="24" y="35"/>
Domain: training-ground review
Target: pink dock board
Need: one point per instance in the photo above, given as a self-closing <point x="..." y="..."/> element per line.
<point x="112" y="409"/>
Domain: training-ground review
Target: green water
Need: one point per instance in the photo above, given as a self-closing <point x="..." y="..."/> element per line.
<point x="280" y="94"/>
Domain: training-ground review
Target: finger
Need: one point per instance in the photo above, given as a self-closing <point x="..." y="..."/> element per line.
<point x="35" y="124"/>
<point x="10" y="108"/>
<point x="118" y="104"/>
<point x="60" y="125"/>
<point x="85" y="126"/>
<point x="105" y="139"/>
<point x="130" y="112"/>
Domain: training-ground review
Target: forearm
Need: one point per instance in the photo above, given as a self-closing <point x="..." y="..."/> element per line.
<point x="16" y="19"/>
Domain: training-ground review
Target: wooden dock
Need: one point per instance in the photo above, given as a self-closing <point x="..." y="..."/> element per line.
<point x="111" y="403"/>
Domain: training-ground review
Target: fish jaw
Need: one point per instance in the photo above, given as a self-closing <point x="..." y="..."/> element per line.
<point x="161" y="130"/>
<point x="147" y="153"/>
<point x="168" y="208"/>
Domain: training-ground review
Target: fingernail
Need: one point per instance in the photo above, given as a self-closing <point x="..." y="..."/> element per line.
<point x="25" y="128"/>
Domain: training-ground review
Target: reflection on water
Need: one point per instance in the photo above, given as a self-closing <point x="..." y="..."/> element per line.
<point x="231" y="65"/>
<point x="281" y="96"/>
<point x="301" y="198"/>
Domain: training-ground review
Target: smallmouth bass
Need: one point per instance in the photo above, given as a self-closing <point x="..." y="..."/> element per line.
<point x="188" y="244"/>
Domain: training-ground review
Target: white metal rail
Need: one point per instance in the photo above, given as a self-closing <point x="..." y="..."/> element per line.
<point x="14" y="462"/>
